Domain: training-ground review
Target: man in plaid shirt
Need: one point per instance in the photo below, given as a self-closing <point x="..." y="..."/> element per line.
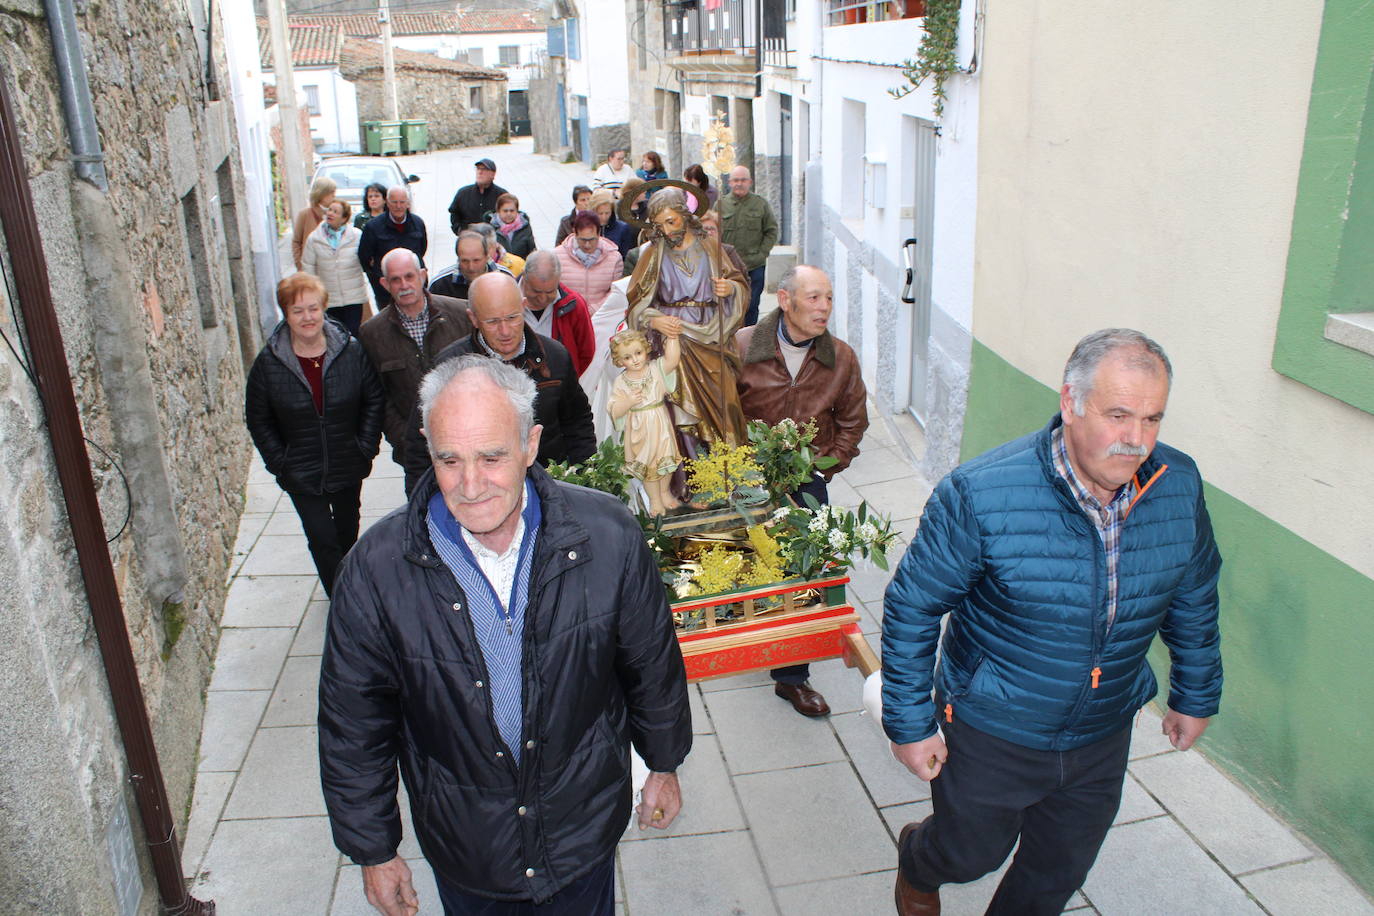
<point x="1058" y="557"/>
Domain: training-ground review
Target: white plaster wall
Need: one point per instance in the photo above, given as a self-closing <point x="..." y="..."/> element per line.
<point x="490" y="43"/>
<point x="606" y="61"/>
<point x="887" y="221"/>
<point x="1140" y="170"/>
<point x="446" y="46"/>
<point x="337" y="122"/>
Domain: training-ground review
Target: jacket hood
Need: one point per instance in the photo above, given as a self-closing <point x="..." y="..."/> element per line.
<point x="763" y="344"/>
<point x="335" y="339"/>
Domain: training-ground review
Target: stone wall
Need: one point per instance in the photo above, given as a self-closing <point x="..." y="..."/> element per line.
<point x="543" y="98"/>
<point x="608" y="137"/>
<point x="442" y="100"/>
<point x="149" y="299"/>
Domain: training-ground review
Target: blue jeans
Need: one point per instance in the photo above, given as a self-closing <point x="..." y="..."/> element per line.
<point x="797" y="674"/>
<point x="591" y="895"/>
<point x="751" y="316"/>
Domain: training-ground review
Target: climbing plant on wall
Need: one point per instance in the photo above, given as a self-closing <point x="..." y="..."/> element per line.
<point x="935" y="58"/>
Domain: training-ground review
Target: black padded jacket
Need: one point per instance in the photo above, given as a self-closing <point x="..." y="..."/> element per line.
<point x="403" y="681"/>
<point x="309" y="451"/>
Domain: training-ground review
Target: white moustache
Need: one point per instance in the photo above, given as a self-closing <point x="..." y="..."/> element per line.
<point x="1135" y="451"/>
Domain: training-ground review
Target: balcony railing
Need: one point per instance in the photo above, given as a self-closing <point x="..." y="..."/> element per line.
<point x="710" y="27"/>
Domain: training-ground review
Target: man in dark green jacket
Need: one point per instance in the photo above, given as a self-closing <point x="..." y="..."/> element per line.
<point x="747" y="223"/>
<point x="1058" y="557"/>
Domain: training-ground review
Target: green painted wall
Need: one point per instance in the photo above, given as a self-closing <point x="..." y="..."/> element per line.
<point x="1329" y="268"/>
<point x="1297" y="718"/>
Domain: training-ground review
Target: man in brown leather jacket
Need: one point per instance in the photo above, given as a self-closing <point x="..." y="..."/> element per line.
<point x="795" y="368"/>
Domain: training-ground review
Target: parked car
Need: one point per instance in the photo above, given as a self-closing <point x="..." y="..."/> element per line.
<point x="354" y="173"/>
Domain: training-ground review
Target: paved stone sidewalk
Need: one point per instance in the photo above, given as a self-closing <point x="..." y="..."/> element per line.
<point x="783" y="815"/>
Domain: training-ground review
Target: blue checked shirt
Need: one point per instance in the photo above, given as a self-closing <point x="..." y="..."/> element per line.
<point x="417" y="326"/>
<point x="1107" y="519"/>
<point x="498" y="620"/>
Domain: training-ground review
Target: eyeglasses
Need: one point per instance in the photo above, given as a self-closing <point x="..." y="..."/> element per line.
<point x="501" y="321"/>
<point x="588" y="241"/>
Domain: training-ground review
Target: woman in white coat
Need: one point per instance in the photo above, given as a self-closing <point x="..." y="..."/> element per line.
<point x="331" y="253"/>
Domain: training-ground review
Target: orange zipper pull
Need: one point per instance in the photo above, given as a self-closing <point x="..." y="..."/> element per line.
<point x="949" y="713"/>
<point x="1097" y="673"/>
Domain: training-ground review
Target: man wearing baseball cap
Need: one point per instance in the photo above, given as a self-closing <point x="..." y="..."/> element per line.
<point x="472" y="203"/>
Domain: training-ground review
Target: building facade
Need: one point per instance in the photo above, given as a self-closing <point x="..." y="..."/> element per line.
<point x="152" y="278"/>
<point x="1197" y="172"/>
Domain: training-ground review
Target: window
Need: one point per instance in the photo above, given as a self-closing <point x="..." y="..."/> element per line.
<point x="851" y="12"/>
<point x="475" y="101"/>
<point x="574" y="48"/>
<point x="197" y="258"/>
<point x="1325" y="334"/>
<point x="508" y="56"/>
<point x="312" y="99"/>
<point x="554" y="36"/>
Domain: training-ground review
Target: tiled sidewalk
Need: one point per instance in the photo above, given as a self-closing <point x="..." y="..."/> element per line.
<point x="783" y="815"/>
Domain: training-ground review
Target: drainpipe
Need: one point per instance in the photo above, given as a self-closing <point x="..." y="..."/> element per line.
<point x="53" y="374"/>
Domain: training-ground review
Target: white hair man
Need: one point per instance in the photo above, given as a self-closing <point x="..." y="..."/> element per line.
<point x="473" y="641"/>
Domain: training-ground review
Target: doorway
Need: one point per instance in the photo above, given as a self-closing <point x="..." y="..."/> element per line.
<point x="918" y="187"/>
<point x="785" y="169"/>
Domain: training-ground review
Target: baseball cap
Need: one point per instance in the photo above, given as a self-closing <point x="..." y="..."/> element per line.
<point x="486" y="164"/>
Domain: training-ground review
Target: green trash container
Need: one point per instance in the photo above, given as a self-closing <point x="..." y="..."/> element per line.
<point x="372" y="133"/>
<point x="416" y="135"/>
<point x="391" y="137"/>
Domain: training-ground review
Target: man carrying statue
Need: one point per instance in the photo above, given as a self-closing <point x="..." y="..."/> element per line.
<point x="684" y="283"/>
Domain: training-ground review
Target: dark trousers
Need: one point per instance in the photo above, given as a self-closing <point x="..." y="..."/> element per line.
<point x="990" y="792"/>
<point x="591" y="895"/>
<point x="751" y="316"/>
<point x="330" y="521"/>
<point x="797" y="674"/>
<point x="350" y="316"/>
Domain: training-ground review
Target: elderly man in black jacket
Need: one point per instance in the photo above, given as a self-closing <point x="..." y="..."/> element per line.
<point x="481" y="638"/>
<point x="396" y="228"/>
<point x="562" y="409"/>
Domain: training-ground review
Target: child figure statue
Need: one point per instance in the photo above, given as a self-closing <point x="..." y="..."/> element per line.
<point x="636" y="406"/>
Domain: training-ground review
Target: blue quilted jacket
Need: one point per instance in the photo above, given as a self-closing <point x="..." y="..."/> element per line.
<point x="1028" y="655"/>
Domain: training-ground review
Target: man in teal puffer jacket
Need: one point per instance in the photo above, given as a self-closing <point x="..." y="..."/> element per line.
<point x="1058" y="557"/>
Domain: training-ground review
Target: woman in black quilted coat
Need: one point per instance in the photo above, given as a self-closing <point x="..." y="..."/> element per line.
<point x="314" y="409"/>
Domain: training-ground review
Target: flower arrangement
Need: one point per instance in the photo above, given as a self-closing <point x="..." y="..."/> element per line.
<point x="727" y="474"/>
<point x="784" y="454"/>
<point x="815" y="538"/>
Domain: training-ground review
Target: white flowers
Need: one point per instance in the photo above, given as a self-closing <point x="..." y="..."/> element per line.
<point x="682" y="585"/>
<point x="838" y="541"/>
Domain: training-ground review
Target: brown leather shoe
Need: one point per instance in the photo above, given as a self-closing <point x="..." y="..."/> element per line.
<point x="803" y="699"/>
<point x="911" y="902"/>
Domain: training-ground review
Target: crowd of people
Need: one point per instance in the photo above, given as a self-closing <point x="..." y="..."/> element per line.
<point x="513" y="739"/>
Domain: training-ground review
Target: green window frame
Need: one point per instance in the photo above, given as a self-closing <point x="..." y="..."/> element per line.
<point x="1330" y="269"/>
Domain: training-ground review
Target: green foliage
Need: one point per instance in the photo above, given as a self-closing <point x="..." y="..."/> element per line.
<point x="816" y="538"/>
<point x="728" y="475"/>
<point x="604" y="471"/>
<point x="173" y="622"/>
<point x="936" y="56"/>
<point x="784" y="453"/>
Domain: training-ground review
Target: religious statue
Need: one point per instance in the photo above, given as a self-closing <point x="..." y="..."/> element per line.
<point x="638" y="405"/>
<point x="684" y="284"/>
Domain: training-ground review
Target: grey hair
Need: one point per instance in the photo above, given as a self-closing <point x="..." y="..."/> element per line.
<point x="516" y="385"/>
<point x="1088" y="354"/>
<point x="543" y="263"/>
<point x="788" y="281"/>
<point x="488" y="233"/>
<point x="472" y="234"/>
<point x="402" y="187"/>
<point x="395" y="253"/>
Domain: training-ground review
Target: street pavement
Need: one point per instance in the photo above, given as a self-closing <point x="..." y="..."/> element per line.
<point x="782" y="814"/>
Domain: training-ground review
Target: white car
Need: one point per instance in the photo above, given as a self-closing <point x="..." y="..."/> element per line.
<point x="354" y="173"/>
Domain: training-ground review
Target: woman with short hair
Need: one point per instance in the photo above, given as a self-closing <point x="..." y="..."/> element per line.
<point x="331" y="253"/>
<point x="588" y="261"/>
<point x="321" y="196"/>
<point x="314" y="408"/>
<point x="374" y="204"/>
<point x="513" y="226"/>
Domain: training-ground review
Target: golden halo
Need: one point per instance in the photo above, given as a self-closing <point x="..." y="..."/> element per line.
<point x="622" y="209"/>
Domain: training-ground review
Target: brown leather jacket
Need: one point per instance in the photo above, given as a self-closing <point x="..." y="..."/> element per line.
<point x="829" y="388"/>
<point x="401" y="364"/>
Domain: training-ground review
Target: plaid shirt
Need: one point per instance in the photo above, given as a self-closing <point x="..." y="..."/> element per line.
<point x="417" y="326"/>
<point x="1106" y="519"/>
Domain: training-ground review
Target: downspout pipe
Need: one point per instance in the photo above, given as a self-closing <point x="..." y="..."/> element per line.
<point x="53" y="374"/>
<point x="87" y="155"/>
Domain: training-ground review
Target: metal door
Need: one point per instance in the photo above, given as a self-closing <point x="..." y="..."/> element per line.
<point x="586" y="129"/>
<point x="562" y="114"/>
<point x="918" y="136"/>
<point x="785" y="168"/>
